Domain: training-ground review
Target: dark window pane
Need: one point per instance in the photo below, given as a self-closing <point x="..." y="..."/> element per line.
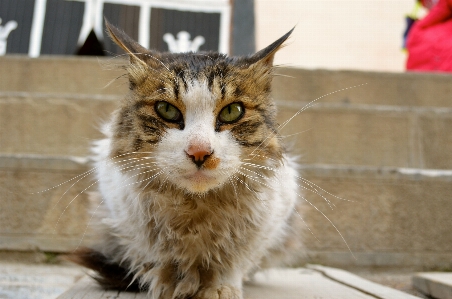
<point x="62" y="26"/>
<point x="125" y="17"/>
<point x="20" y="11"/>
<point x="196" y="24"/>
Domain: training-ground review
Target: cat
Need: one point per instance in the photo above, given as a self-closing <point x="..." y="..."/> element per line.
<point x="197" y="188"/>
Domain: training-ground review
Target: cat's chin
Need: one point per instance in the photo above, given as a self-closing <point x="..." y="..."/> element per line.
<point x="199" y="182"/>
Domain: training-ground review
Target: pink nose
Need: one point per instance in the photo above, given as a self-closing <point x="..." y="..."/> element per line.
<point x="198" y="153"/>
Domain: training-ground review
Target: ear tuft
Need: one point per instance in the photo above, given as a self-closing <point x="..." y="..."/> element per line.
<point x="137" y="68"/>
<point x="267" y="54"/>
<point x="124" y="41"/>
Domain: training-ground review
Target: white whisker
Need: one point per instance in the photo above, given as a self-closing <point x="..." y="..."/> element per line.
<point x="294" y="134"/>
<point x="67" y="190"/>
<point x="306" y="225"/>
<point x="323" y="190"/>
<point x="88" y="224"/>
<point x="72" y="200"/>
<point x="329" y="220"/>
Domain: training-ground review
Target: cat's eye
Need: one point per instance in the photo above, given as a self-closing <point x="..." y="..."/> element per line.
<point x="231" y="113"/>
<point x="168" y="112"/>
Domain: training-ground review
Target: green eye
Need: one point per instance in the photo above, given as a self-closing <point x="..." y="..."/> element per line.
<point x="168" y="112"/>
<point x="231" y="113"/>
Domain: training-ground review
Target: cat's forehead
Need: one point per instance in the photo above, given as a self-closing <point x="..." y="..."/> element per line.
<point x="201" y="79"/>
<point x="196" y="61"/>
<point x="197" y="64"/>
<point x="193" y="75"/>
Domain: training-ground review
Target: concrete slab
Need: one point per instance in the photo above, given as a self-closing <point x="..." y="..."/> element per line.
<point x="434" y="284"/>
<point x="399" y="278"/>
<point x="360" y="284"/>
<point x="36" y="281"/>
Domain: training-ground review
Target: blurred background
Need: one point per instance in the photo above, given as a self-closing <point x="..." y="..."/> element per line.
<point x="336" y="34"/>
<point x="339" y="34"/>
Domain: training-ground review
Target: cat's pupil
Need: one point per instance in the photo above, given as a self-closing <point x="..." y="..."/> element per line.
<point x="168" y="112"/>
<point x="231" y="113"/>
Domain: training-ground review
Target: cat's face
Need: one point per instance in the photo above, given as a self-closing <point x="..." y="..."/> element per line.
<point x="204" y="154"/>
<point x="197" y="117"/>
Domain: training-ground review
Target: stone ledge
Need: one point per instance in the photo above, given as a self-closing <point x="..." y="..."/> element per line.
<point x="30" y="162"/>
<point x="418" y="260"/>
<point x="63" y="74"/>
<point x="394" y="89"/>
<point x="43" y="242"/>
<point x="434" y="284"/>
<point x="370" y="172"/>
<point x="14" y="96"/>
<point x="364" y="107"/>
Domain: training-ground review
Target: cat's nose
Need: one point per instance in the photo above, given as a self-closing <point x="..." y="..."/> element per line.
<point x="198" y="153"/>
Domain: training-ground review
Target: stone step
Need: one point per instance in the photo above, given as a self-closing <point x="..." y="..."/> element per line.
<point x="363" y="216"/>
<point x="358" y="87"/>
<point x="86" y="75"/>
<point x="344" y="134"/>
<point x="378" y="216"/>
<point x="44" y="202"/>
<point x="341" y="134"/>
<point x="62" y="74"/>
<point x="52" y="124"/>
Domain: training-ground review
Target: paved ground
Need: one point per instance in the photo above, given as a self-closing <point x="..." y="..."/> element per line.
<point x="43" y="276"/>
<point x="25" y="281"/>
<point x="35" y="276"/>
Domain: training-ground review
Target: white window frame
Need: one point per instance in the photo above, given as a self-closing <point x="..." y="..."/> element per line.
<point x="93" y="19"/>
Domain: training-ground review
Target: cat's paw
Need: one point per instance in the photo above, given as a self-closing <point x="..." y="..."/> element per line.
<point x="219" y="292"/>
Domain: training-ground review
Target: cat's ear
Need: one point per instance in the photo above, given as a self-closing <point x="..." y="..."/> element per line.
<point x="267" y="54"/>
<point x="119" y="37"/>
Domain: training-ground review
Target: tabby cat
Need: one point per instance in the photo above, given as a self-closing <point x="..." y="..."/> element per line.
<point x="197" y="189"/>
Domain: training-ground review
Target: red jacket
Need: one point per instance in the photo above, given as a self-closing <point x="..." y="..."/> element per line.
<point x="429" y="42"/>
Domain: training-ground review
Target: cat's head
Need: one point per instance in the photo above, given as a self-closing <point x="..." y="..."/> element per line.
<point x="199" y="117"/>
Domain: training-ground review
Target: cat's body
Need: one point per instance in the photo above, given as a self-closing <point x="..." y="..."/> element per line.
<point x="197" y="188"/>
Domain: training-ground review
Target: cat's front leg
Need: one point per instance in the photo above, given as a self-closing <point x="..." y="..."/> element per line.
<point x="226" y="287"/>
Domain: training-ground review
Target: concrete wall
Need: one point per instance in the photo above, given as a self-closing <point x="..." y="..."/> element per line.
<point x="380" y="153"/>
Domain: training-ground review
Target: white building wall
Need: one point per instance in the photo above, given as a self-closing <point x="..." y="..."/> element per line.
<point x="336" y="34"/>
